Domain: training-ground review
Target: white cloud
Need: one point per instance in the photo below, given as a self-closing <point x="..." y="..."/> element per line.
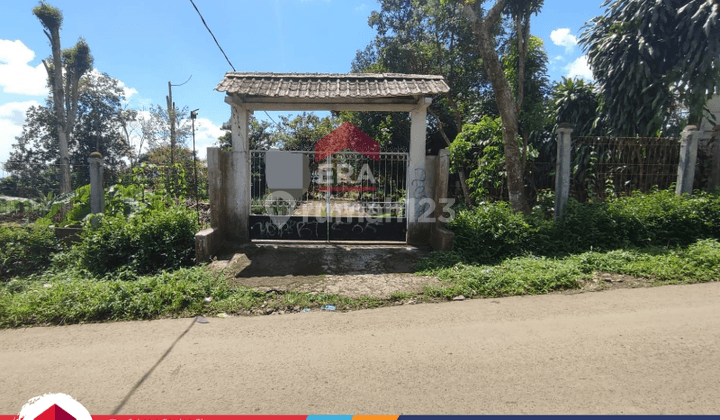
<point x="206" y="134"/>
<point x="12" y="118"/>
<point x="579" y="68"/>
<point x="128" y="92"/>
<point x="563" y="38"/>
<point x="16" y="75"/>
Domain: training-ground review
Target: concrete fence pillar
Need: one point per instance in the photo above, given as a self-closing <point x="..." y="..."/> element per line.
<point x="714" y="181"/>
<point x="688" y="158"/>
<point x="97" y="195"/>
<point x="562" y="168"/>
<point x="417" y="183"/>
<point x="441" y="239"/>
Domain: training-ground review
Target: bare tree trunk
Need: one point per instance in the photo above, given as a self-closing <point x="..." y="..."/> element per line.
<point x="503" y="97"/>
<point x="522" y="54"/>
<point x="59" y="104"/>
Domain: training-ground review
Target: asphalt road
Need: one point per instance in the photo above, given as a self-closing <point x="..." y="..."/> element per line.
<point x="629" y="351"/>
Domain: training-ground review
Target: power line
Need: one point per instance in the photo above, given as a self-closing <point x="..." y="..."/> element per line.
<point x="208" y="28"/>
<point x="223" y="52"/>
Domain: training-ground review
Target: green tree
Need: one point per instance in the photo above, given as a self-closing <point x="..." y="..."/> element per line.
<point x="74" y="62"/>
<point x="261" y="135"/>
<point x="509" y="103"/>
<point x="303" y="131"/>
<point x="576" y="102"/>
<point x="97" y="126"/>
<point x="155" y="127"/>
<point x="423" y="37"/>
<point x="178" y="179"/>
<point x="532" y="111"/>
<point x="646" y="53"/>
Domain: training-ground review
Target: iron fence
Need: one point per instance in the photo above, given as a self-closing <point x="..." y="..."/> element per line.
<point x="345" y="184"/>
<point x="612" y="166"/>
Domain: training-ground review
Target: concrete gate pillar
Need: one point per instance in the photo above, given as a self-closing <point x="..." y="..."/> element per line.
<point x="418" y="200"/>
<point x="238" y="200"/>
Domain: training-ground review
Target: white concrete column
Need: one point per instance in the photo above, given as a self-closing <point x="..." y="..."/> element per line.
<point x="97" y="194"/>
<point x="238" y="190"/>
<point x="707" y="127"/>
<point x="714" y="181"/>
<point x="418" y="199"/>
<point x="562" y="168"/>
<point x="688" y="157"/>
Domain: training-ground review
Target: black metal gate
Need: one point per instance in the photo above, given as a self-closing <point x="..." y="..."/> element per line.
<point x="348" y="196"/>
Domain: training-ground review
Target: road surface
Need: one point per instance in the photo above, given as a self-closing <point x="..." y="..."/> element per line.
<point x="629" y="351"/>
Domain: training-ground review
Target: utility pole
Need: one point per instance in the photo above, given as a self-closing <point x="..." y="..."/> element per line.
<point x="193" y="115"/>
<point x="171" y="117"/>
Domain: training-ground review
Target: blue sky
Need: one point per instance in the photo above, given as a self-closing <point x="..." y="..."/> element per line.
<point x="145" y="44"/>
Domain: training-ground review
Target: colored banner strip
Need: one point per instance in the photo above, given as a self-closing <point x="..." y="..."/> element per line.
<point x="348" y="189"/>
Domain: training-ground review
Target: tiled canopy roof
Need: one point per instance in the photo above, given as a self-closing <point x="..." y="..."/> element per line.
<point x="332" y="86"/>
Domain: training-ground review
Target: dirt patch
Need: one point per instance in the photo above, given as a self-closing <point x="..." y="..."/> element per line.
<point x="608" y="281"/>
<point x="346" y="270"/>
<point x="355" y="271"/>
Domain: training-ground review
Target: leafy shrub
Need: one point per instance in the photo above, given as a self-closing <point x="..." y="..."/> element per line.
<point x="479" y="148"/>
<point x="705" y="254"/>
<point x="149" y="241"/>
<point x="25" y="249"/>
<point x="661" y="218"/>
<point x="491" y="232"/>
<point x="586" y="226"/>
<point x="120" y="200"/>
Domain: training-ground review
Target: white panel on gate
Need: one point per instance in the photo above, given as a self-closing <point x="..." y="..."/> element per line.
<point x="287" y="171"/>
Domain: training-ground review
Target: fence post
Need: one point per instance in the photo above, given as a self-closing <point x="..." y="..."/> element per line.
<point x="688" y="157"/>
<point x="97" y="196"/>
<point x="562" y="168"/>
<point x="714" y="181"/>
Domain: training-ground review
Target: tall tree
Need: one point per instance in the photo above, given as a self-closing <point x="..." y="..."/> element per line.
<point x="424" y="37"/>
<point x="576" y="102"/>
<point x="153" y="129"/>
<point x="303" y="131"/>
<point x="645" y="53"/>
<point x="98" y="126"/>
<point x="75" y="62"/>
<point x="533" y="92"/>
<point x="261" y="133"/>
<point x="509" y="105"/>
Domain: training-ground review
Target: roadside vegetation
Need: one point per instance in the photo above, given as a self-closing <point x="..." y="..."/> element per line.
<point x="658" y="236"/>
<point x="138" y="263"/>
<point x="498" y="121"/>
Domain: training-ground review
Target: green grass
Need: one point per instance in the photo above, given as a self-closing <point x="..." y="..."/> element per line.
<point x="74" y="296"/>
<point x="528" y="275"/>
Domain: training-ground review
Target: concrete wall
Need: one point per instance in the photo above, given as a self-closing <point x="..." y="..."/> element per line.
<point x="220" y="171"/>
<point x="434" y="190"/>
<point x="441" y="239"/>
